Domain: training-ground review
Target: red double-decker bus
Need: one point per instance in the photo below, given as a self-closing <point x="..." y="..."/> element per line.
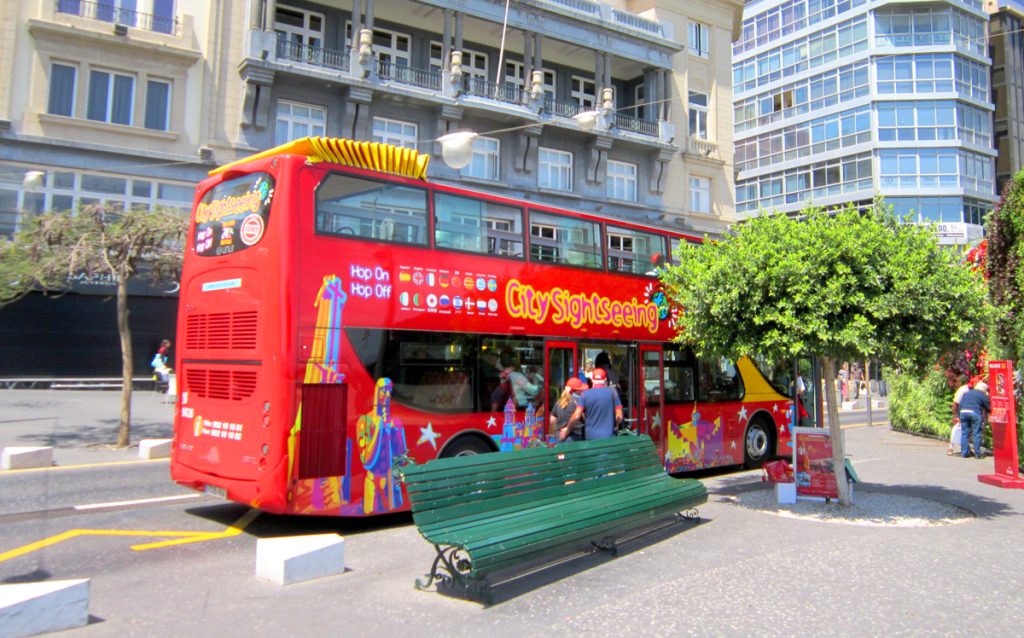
<point x="338" y="311"/>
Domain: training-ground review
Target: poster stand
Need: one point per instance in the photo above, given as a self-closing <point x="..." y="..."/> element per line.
<point x="813" y="465"/>
<point x="1004" y="428"/>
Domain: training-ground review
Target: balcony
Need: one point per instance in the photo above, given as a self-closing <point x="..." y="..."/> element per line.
<point x="107" y="12"/>
<point x="317" y="56"/>
<point x="387" y="72"/>
<point x="702" y="147"/>
<point x="423" y="78"/>
<point x="507" y="93"/>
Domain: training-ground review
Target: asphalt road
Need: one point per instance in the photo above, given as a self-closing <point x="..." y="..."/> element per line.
<point x="185" y="567"/>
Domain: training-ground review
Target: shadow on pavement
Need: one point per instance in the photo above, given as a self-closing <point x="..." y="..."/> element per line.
<point x="980" y="506"/>
<point x="525" y="578"/>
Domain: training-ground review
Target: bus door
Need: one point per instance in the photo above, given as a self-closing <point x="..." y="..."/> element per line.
<point x="651" y="400"/>
<point x="560" y="363"/>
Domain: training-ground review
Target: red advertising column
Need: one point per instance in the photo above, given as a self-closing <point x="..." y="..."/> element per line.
<point x="812" y="463"/>
<point x="1004" y="427"/>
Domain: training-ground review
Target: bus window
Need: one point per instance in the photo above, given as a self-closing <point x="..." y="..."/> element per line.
<point x="678" y="364"/>
<point x="564" y="240"/>
<point x="478" y="226"/>
<point x="429" y="371"/>
<point x="351" y="206"/>
<point x="233" y="215"/>
<point x="633" y="251"/>
<point x="718" y="380"/>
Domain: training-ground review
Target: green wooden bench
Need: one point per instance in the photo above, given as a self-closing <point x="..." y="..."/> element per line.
<point x="494" y="512"/>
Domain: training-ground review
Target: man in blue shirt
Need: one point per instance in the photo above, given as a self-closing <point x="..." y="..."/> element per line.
<point x="601" y="406"/>
<point x="974" y="405"/>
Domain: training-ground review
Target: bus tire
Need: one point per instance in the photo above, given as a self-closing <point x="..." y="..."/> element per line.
<point x="466" y="446"/>
<point x="757" y="442"/>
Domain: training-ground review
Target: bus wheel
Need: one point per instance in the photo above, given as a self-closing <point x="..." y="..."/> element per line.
<point x="466" y="446"/>
<point x="756" y="443"/>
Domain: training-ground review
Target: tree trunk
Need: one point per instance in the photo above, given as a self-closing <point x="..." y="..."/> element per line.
<point x="126" y="362"/>
<point x="867" y="376"/>
<point x="838" y="452"/>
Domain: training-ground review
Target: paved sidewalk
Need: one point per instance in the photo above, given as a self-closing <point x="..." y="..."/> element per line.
<point x="81" y="425"/>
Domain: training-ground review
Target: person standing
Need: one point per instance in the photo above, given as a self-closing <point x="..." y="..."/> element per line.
<point x="974" y="405"/>
<point x="601" y="407"/>
<point x="956" y="430"/>
<point x="604" y="362"/>
<point x="161" y="371"/>
<point x="563" y="410"/>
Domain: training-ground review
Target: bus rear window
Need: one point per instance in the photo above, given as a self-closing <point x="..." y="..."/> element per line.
<point x="233" y="215"/>
<point x="353" y="207"/>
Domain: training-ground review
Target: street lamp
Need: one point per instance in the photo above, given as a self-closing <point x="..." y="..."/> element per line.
<point x="457" y="148"/>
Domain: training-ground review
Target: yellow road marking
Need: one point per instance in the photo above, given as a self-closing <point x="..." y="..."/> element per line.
<point x="232" y="530"/>
<point x="182" y="537"/>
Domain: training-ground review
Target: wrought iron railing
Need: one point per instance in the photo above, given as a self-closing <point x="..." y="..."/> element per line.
<point x="560" y="108"/>
<point x="635" y="124"/>
<point x="408" y="75"/>
<point x="504" y="92"/>
<point x="107" y="12"/>
<point x="317" y="56"/>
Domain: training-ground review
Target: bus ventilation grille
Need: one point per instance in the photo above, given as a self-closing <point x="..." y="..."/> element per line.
<point x="230" y="385"/>
<point x="221" y="331"/>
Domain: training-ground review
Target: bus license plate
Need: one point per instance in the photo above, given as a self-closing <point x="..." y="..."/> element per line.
<point x="213" y="490"/>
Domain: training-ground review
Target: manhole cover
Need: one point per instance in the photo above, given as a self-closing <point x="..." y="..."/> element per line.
<point x="868" y="508"/>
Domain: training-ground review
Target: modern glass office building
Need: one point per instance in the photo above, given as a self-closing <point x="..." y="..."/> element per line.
<point x="839" y="100"/>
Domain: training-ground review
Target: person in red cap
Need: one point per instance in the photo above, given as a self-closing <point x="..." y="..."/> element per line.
<point x="601" y="407"/>
<point x="563" y="410"/>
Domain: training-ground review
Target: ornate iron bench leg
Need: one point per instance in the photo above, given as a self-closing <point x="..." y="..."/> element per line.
<point x="453" y="567"/>
<point x="692" y="515"/>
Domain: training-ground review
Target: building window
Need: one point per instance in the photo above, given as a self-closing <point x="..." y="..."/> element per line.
<point x="474" y="63"/>
<point x="584" y="92"/>
<point x="639" y="99"/>
<point x="515" y="75"/>
<point x="700" y="194"/>
<point x="486" y="159"/>
<point x="621" y="181"/>
<point x="158" y="105"/>
<point x="699" y="115"/>
<point x="111" y="97"/>
<point x="555" y="172"/>
<point x="295" y="120"/>
<point x="698" y="39"/>
<point x="63" y="79"/>
<point x="395" y="132"/>
<point x="299" y="28"/>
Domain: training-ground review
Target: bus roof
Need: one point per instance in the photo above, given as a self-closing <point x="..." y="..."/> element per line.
<point x="374" y="156"/>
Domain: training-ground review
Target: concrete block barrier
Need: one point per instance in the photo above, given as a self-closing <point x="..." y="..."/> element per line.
<point x="20" y="458"/>
<point x="27" y="609"/>
<point x="293" y="559"/>
<point x="155" y="448"/>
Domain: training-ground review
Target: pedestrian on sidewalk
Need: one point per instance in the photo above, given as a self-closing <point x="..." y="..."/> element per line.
<point x="974" y="406"/>
<point x="954" y="432"/>
<point x="161" y="370"/>
<point x="601" y="406"/>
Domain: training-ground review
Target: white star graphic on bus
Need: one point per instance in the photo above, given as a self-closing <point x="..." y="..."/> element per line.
<point x="491" y="422"/>
<point x="775" y="407"/>
<point x="732" y="444"/>
<point x="656" y="421"/>
<point x="743" y="413"/>
<point x="427" y="435"/>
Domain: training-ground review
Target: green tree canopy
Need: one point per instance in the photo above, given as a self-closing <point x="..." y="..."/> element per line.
<point x="1005" y="257"/>
<point x="843" y="284"/>
<point x="54" y="246"/>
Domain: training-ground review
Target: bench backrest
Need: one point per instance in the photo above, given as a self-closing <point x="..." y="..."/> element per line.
<point x="475" y="485"/>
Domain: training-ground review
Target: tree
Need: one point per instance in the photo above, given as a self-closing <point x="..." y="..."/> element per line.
<point x="1005" y="272"/>
<point x="838" y="285"/>
<point x="54" y="246"/>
